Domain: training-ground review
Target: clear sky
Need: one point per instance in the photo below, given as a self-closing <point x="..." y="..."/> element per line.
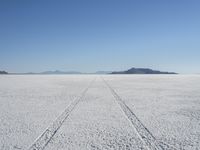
<point x="91" y="35"/>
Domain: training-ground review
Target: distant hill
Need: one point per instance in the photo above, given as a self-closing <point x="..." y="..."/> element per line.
<point x="3" y="72"/>
<point x="130" y="71"/>
<point x="68" y="72"/>
<point x="141" y="71"/>
<point x="60" y="72"/>
<point x="103" y="72"/>
<point x="52" y="72"/>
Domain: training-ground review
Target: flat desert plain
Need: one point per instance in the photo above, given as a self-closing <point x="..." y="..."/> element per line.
<point x="81" y="112"/>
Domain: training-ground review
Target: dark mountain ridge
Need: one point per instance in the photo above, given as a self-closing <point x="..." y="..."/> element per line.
<point x="130" y="71"/>
<point x="60" y="72"/>
<point x="3" y="72"/>
<point x="142" y="71"/>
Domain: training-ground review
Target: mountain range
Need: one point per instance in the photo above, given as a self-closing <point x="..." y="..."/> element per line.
<point x="70" y="72"/>
<point x="60" y="72"/>
<point x="3" y="72"/>
<point x="142" y="71"/>
<point x="129" y="71"/>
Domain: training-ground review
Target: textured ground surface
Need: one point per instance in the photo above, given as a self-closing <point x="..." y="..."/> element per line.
<point x="96" y="123"/>
<point x="28" y="104"/>
<point x="168" y="105"/>
<point x="119" y="112"/>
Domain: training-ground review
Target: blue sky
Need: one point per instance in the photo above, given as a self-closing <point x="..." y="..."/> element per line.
<point x="91" y="35"/>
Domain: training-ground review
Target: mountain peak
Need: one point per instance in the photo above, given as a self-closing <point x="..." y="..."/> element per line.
<point x="3" y="72"/>
<point x="142" y="71"/>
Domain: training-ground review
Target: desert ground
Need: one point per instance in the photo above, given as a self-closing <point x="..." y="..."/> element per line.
<point x="118" y="112"/>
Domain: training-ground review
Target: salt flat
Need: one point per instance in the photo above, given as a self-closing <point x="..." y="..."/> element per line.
<point x="29" y="103"/>
<point x="96" y="123"/>
<point x="167" y="105"/>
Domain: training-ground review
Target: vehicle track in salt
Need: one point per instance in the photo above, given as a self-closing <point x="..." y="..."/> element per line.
<point x="145" y="135"/>
<point x="47" y="135"/>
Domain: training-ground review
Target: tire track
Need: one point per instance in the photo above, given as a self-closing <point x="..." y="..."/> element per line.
<point x="47" y="135"/>
<point x="145" y="135"/>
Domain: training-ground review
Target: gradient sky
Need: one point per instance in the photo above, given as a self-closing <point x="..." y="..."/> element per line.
<point x="91" y="35"/>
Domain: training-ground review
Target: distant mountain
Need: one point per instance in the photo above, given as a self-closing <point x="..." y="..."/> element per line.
<point x="69" y="72"/>
<point x="103" y="72"/>
<point x="60" y="72"/>
<point x="141" y="71"/>
<point x="52" y="72"/>
<point x="130" y="71"/>
<point x="3" y="72"/>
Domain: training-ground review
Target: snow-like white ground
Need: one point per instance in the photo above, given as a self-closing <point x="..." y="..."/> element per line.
<point x="96" y="123"/>
<point x="167" y="105"/>
<point x="28" y="104"/>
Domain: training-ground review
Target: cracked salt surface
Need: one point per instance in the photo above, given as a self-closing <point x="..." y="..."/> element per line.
<point x="96" y="123"/>
<point x="28" y="104"/>
<point x="168" y="105"/>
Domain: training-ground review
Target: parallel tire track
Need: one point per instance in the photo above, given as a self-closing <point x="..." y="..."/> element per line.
<point x="145" y="135"/>
<point x="47" y="135"/>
